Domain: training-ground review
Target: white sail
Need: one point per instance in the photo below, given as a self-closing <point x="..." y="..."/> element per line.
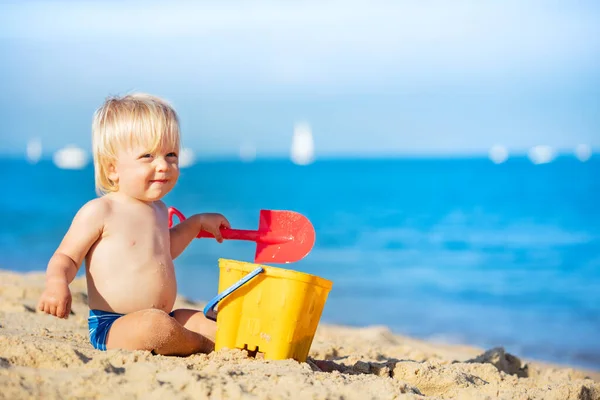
<point x="498" y="154"/>
<point x="302" y="151"/>
<point x="247" y="152"/>
<point x="34" y="150"/>
<point x="583" y="152"/>
<point x="187" y="158"/>
<point x="541" y="154"/>
<point x="70" y="157"/>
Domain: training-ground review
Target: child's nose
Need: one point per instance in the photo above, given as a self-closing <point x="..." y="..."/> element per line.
<point x="161" y="164"/>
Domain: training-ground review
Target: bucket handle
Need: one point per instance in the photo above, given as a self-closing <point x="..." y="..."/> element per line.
<point x="209" y="309"/>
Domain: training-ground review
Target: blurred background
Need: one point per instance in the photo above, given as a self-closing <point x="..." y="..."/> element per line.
<point x="446" y="152"/>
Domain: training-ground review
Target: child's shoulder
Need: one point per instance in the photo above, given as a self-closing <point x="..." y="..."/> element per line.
<point x="96" y="208"/>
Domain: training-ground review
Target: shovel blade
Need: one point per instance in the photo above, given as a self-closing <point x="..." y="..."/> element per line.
<point x="284" y="223"/>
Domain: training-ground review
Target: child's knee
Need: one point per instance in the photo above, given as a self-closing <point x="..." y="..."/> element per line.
<point x="155" y="328"/>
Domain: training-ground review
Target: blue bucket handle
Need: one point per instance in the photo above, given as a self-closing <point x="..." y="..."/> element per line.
<point x="209" y="309"/>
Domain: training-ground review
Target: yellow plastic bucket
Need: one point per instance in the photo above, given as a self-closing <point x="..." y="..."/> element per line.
<point x="268" y="310"/>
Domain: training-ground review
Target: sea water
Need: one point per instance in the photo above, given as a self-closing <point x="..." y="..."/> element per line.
<point x="456" y="250"/>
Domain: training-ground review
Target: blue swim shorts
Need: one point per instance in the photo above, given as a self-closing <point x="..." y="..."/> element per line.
<point x="99" y="323"/>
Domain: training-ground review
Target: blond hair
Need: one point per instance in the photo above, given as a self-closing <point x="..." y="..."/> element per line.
<point x="136" y="119"/>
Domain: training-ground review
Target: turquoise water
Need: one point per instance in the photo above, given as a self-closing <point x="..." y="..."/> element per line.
<point x="459" y="250"/>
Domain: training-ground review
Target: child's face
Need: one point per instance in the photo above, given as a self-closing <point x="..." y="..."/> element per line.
<point x="143" y="175"/>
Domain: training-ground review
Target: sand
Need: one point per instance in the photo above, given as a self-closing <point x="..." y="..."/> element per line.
<point x="43" y="357"/>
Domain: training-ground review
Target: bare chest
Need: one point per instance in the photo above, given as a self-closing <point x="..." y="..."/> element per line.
<point x="138" y="232"/>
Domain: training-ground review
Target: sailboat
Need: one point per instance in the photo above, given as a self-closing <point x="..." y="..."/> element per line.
<point x="302" y="151"/>
<point x="247" y="152"/>
<point x="187" y="157"/>
<point x="541" y="154"/>
<point x="583" y="152"/>
<point x="33" y="152"/>
<point x="498" y="154"/>
<point x="70" y="157"/>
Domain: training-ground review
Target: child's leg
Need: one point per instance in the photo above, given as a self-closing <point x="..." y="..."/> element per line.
<point x="195" y="321"/>
<point x="156" y="331"/>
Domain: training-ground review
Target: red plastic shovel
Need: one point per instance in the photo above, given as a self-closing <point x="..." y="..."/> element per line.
<point x="282" y="236"/>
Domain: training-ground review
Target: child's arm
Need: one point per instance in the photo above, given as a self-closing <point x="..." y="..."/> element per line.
<point x="183" y="233"/>
<point x="84" y="231"/>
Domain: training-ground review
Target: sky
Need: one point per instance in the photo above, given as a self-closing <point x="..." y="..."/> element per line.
<point x="371" y="78"/>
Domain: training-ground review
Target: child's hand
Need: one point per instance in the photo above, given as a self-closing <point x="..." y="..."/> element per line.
<point x="56" y="299"/>
<point x="212" y="223"/>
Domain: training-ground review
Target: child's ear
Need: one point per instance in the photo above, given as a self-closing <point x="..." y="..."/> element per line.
<point x="112" y="173"/>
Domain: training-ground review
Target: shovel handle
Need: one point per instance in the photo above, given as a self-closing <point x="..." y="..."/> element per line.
<point x="253" y="236"/>
<point x="173" y="211"/>
<point x="234" y="234"/>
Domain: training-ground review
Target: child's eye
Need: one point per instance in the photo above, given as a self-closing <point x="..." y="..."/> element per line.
<point x="173" y="154"/>
<point x="146" y="156"/>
